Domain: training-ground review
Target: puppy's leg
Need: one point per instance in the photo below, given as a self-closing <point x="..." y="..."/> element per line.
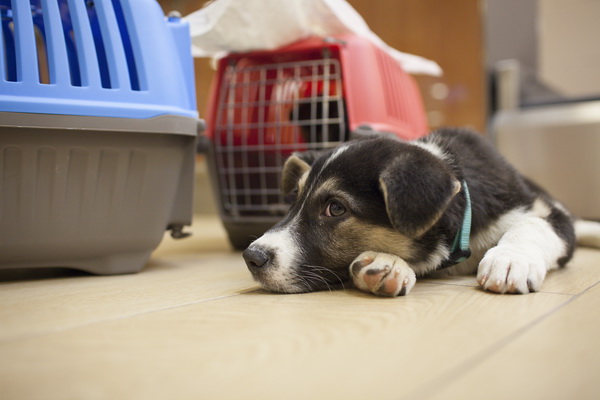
<point x="382" y="274"/>
<point x="526" y="251"/>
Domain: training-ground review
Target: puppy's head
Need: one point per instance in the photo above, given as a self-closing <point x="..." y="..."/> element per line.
<point x="369" y="195"/>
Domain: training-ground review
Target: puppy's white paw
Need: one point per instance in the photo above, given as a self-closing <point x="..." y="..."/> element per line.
<point x="382" y="274"/>
<point x="509" y="271"/>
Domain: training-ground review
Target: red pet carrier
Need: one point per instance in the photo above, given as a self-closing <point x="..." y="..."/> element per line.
<point x="310" y="95"/>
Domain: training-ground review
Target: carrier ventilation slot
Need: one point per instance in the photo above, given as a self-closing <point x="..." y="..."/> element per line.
<point x="42" y="55"/>
<point x="7" y="44"/>
<point x="74" y="43"/>
<point x="131" y="65"/>
<point x="395" y="101"/>
<point x="99" y="44"/>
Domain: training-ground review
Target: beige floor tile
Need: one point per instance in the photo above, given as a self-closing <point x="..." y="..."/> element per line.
<point x="193" y="325"/>
<point x="35" y="302"/>
<point x="468" y="280"/>
<point x="559" y="358"/>
<point x="208" y="236"/>
<point x="579" y="275"/>
<point x="262" y="346"/>
<point x="40" y="307"/>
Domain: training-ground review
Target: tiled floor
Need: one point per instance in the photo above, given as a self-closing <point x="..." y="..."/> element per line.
<point x="193" y="325"/>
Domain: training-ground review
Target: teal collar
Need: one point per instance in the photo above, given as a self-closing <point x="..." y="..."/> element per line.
<point x="460" y="250"/>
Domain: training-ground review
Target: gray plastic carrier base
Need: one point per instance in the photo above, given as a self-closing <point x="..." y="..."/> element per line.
<point x="92" y="193"/>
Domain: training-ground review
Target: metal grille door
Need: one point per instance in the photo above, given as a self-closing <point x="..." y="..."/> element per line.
<point x="264" y="114"/>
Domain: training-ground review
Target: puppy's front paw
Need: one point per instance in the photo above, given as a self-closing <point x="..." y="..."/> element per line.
<point x="506" y="271"/>
<point x="382" y="274"/>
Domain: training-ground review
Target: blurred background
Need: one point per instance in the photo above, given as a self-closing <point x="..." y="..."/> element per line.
<point x="451" y="33"/>
<point x="505" y="63"/>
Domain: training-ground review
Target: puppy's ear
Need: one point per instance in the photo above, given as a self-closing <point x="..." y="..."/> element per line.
<point x="417" y="188"/>
<point x="293" y="169"/>
<point x="295" y="166"/>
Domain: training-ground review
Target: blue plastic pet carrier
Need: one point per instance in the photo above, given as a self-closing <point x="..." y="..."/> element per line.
<point x="98" y="125"/>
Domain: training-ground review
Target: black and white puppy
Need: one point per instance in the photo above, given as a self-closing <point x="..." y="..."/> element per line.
<point x="382" y="211"/>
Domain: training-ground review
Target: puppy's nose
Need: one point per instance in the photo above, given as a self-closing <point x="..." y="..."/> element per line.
<point x="255" y="257"/>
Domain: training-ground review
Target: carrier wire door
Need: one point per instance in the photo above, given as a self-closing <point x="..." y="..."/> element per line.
<point x="268" y="112"/>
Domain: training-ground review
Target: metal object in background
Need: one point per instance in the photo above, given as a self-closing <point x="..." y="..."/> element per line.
<point x="555" y="144"/>
<point x="267" y="112"/>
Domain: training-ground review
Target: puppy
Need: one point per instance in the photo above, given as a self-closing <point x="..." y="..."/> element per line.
<point x="380" y="211"/>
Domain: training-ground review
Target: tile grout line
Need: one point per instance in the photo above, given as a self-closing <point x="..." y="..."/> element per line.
<point x="122" y="317"/>
<point x="438" y="384"/>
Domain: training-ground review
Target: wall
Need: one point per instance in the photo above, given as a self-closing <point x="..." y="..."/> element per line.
<point x="449" y="32"/>
<point x="568" y="46"/>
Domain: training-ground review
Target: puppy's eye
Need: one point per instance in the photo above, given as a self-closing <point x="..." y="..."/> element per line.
<point x="335" y="209"/>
